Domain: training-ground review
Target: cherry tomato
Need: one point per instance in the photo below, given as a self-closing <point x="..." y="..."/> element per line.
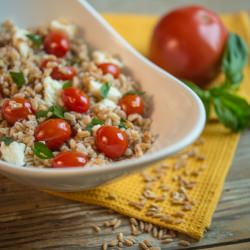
<point x="16" y="109"/>
<point x="75" y="100"/>
<point x="56" y="43"/>
<point x="110" y="68"/>
<point x="69" y="159"/>
<point x="54" y="132"/>
<point x="65" y="73"/>
<point x="189" y="43"/>
<point x="111" y="141"/>
<point x="132" y="104"/>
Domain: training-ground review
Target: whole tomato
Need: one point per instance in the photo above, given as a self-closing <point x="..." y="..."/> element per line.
<point x="189" y="43"/>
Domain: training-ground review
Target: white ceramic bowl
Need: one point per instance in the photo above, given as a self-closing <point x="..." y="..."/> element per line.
<point x="178" y="114"/>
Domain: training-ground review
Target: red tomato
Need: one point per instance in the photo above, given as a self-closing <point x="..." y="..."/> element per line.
<point x="54" y="132"/>
<point x="69" y="159"/>
<point x="56" y="43"/>
<point x="111" y="141"/>
<point x="110" y="68"/>
<point x="75" y="100"/>
<point x="189" y="43"/>
<point x="132" y="104"/>
<point x="16" y="109"/>
<point x="65" y="73"/>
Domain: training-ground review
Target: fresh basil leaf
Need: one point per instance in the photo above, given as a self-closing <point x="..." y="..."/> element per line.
<point x="105" y="89"/>
<point x="204" y="95"/>
<point x="18" y="78"/>
<point x="134" y="92"/>
<point x="7" y="140"/>
<point x="42" y="151"/>
<point x="67" y="84"/>
<point x="94" y="121"/>
<point x="36" y="39"/>
<point x="234" y="59"/>
<point x="56" y="110"/>
<point x="122" y="124"/>
<point x="233" y="111"/>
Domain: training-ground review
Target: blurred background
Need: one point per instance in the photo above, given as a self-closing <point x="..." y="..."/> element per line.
<point x="155" y="6"/>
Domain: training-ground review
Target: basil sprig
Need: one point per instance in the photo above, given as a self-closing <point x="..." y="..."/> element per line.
<point x="94" y="122"/>
<point x="232" y="110"/>
<point x="67" y="84"/>
<point x="42" y="151"/>
<point x="104" y="90"/>
<point x="36" y="40"/>
<point x="7" y="140"/>
<point x="123" y="124"/>
<point x="55" y="111"/>
<point x="234" y="60"/>
<point x="18" y="78"/>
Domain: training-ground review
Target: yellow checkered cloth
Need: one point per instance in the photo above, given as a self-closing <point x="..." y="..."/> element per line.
<point x="219" y="149"/>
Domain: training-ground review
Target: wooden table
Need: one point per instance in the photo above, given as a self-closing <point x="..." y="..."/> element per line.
<point x="30" y="219"/>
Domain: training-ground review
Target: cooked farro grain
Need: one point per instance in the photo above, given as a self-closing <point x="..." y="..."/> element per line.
<point x="28" y="71"/>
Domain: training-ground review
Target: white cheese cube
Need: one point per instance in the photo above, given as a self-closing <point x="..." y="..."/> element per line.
<point x="52" y="90"/>
<point x="20" y="41"/>
<point x="69" y="29"/>
<point x="95" y="88"/>
<point x="101" y="57"/>
<point x="106" y="104"/>
<point x="13" y="153"/>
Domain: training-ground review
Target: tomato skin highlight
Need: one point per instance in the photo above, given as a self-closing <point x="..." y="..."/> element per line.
<point x="110" y="68"/>
<point x="13" y="115"/>
<point x="69" y="159"/>
<point x="54" y="132"/>
<point x="65" y="73"/>
<point x="56" y="43"/>
<point x="111" y="141"/>
<point x="132" y="104"/>
<point x="189" y="43"/>
<point x="75" y="100"/>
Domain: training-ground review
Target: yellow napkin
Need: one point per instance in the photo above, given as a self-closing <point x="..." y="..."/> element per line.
<point x="219" y="149"/>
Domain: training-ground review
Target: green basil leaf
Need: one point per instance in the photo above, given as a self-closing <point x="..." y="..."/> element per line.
<point x="36" y="39"/>
<point x="233" y="111"/>
<point x="67" y="84"/>
<point x="18" y="78"/>
<point x="134" y="92"/>
<point x="105" y="89"/>
<point x="204" y="95"/>
<point x="42" y="151"/>
<point x="94" y="121"/>
<point x="234" y="59"/>
<point x="57" y="111"/>
<point x="122" y="124"/>
<point x="7" y="140"/>
<point x="42" y="113"/>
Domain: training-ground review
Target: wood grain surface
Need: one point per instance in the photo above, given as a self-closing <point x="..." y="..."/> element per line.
<point x="30" y="219"/>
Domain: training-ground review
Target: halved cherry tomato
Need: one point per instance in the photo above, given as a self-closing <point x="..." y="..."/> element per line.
<point x="189" y="43"/>
<point x="75" y="100"/>
<point x="16" y="109"/>
<point x="54" y="132"/>
<point x="65" y="73"/>
<point x="56" y="43"/>
<point x="132" y="104"/>
<point x="110" y="68"/>
<point x="69" y="159"/>
<point x="111" y="141"/>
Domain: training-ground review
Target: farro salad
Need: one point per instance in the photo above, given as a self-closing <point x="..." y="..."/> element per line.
<point x="63" y="104"/>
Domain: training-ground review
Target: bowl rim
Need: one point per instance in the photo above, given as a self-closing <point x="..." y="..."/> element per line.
<point x="146" y="159"/>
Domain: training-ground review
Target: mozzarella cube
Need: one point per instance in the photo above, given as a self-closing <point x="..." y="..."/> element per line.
<point x="95" y="89"/>
<point x="20" y="41"/>
<point x="106" y="104"/>
<point x="101" y="57"/>
<point x="69" y="29"/>
<point x="13" y="153"/>
<point x="52" y="89"/>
